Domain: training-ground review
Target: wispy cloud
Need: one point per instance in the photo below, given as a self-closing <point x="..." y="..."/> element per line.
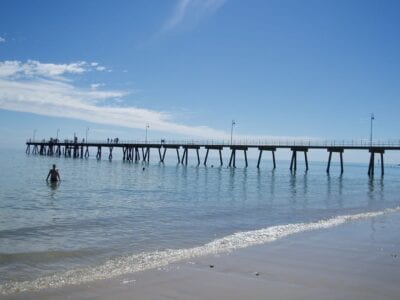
<point x="49" y="89"/>
<point x="2" y="40"/>
<point x="188" y="13"/>
<point x="34" y="69"/>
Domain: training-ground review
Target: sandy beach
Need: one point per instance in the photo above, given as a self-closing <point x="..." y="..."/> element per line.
<point x="357" y="260"/>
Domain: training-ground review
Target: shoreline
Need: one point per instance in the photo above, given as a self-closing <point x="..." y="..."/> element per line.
<point x="358" y="260"/>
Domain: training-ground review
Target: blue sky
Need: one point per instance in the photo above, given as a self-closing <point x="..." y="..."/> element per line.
<point x="281" y="69"/>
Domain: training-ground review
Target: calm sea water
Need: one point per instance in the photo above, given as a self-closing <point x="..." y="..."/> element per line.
<point x="101" y="212"/>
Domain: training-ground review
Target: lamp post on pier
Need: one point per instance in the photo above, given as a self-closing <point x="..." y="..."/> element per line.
<point x="34" y="134"/>
<point x="58" y="130"/>
<point x="147" y="127"/>
<point x="233" y="124"/>
<point x="87" y="130"/>
<point x="370" y="135"/>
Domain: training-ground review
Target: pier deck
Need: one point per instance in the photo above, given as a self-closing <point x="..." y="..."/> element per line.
<point x="136" y="151"/>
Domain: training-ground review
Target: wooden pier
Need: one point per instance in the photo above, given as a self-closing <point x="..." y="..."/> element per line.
<point x="140" y="151"/>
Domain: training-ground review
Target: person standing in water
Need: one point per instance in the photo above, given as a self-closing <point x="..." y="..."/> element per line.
<point x="53" y="174"/>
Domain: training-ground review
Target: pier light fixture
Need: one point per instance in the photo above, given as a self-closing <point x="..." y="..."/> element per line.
<point x="370" y="134"/>
<point x="87" y="130"/>
<point x="34" y="134"/>
<point x="58" y="130"/>
<point x="147" y="127"/>
<point x="233" y="124"/>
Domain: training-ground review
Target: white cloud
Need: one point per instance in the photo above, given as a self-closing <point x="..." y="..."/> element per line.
<point x="33" y="68"/>
<point x="2" y="40"/>
<point x="46" y="89"/>
<point x="95" y="86"/>
<point x="190" y="12"/>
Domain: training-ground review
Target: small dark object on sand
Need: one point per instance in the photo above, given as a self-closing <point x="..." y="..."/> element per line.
<point x="256" y="273"/>
<point x="144" y="169"/>
<point x="212" y="166"/>
<point x="211" y="266"/>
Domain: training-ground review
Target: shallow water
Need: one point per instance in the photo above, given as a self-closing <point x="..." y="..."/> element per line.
<point x="102" y="211"/>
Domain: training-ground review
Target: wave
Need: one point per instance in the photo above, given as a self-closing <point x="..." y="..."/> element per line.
<point x="150" y="260"/>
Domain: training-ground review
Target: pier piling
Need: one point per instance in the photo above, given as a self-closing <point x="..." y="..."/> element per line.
<point x="98" y="155"/>
<point x="232" y="160"/>
<point x="293" y="162"/>
<point x="186" y="152"/>
<point x="264" y="148"/>
<point x="212" y="147"/>
<point x="87" y="152"/>
<point x="205" y="159"/>
<point x="337" y="150"/>
<point x="110" y="153"/>
<point x="371" y="167"/>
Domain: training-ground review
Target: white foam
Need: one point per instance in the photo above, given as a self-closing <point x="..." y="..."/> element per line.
<point x="157" y="259"/>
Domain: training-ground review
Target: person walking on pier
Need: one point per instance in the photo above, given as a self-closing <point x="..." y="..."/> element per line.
<point x="53" y="174"/>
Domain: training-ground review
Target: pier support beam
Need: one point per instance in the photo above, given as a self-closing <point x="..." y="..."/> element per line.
<point x="76" y="151"/>
<point x="124" y="150"/>
<point x="176" y="147"/>
<point x="58" y="150"/>
<point x="163" y="156"/>
<point x="338" y="150"/>
<point x="50" y="150"/>
<point x="131" y="151"/>
<point x="232" y="160"/>
<point x="184" y="155"/>
<point x="87" y="152"/>
<point x="146" y="154"/>
<point x="198" y="157"/>
<point x="205" y="159"/>
<point x="129" y="154"/>
<point x="137" y="154"/>
<point x="208" y="148"/>
<point x="110" y="154"/>
<point x="159" y="153"/>
<point x="371" y="166"/>
<point x="98" y="155"/>
<point x="42" y="150"/>
<point x="186" y="152"/>
<point x="264" y="148"/>
<point x="293" y="162"/>
<point x="35" y="150"/>
<point x="177" y="153"/>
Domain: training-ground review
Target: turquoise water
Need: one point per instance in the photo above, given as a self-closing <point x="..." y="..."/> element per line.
<point x="103" y="211"/>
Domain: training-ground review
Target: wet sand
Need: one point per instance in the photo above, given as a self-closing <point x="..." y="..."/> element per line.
<point x="357" y="260"/>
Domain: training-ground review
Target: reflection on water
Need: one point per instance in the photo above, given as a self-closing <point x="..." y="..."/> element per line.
<point x="334" y="189"/>
<point x="375" y="190"/>
<point x="53" y="185"/>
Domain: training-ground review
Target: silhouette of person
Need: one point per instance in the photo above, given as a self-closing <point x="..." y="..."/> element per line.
<point x="53" y="174"/>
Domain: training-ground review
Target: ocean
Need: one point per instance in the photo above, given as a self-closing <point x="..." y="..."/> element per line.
<point x="106" y="219"/>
